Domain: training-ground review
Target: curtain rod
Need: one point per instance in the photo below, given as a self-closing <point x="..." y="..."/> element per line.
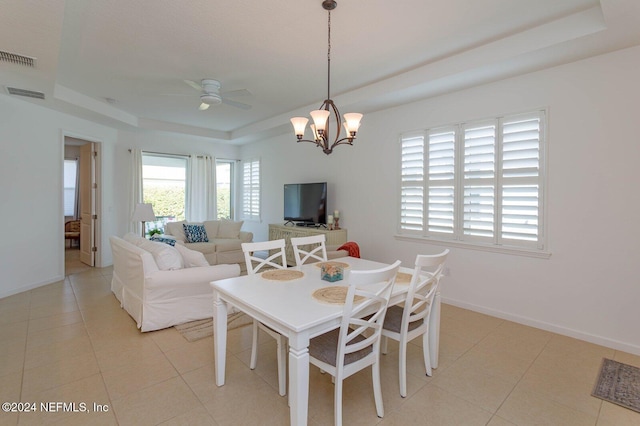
<point x="185" y="155"/>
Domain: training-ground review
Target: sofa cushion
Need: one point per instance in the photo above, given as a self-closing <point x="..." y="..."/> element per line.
<point x="211" y="226"/>
<point x="209" y="247"/>
<point x="227" y="244"/>
<point x="167" y="239"/>
<point x="229" y="229"/>
<point x="167" y="257"/>
<point x="195" y="233"/>
<point x="175" y="229"/>
<point x="191" y="258"/>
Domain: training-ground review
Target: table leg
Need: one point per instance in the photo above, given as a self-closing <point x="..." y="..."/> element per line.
<point x="219" y="338"/>
<point x="434" y="331"/>
<point x="298" y="380"/>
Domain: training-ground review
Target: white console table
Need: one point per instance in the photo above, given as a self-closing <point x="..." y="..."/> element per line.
<point x="277" y="232"/>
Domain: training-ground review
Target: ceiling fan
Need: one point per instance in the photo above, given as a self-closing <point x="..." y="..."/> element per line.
<point x="211" y="94"/>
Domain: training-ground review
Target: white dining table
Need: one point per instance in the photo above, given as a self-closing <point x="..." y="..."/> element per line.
<point x="289" y="308"/>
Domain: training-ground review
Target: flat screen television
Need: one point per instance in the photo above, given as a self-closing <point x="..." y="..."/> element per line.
<point x="305" y="203"/>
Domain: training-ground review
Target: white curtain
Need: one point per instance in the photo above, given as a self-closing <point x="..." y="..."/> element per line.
<point x="201" y="189"/>
<point x="135" y="191"/>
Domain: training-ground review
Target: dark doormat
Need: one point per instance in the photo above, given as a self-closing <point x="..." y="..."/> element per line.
<point x="619" y="383"/>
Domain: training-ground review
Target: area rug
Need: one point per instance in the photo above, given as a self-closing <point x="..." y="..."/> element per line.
<point x="619" y="383"/>
<point x="196" y="330"/>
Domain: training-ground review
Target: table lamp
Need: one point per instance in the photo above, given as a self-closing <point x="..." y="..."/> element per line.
<point x="143" y="213"/>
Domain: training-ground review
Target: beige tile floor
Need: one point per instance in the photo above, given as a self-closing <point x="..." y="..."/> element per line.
<point x="70" y="342"/>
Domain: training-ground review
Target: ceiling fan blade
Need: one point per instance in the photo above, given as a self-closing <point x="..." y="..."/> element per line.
<point x="236" y="93"/>
<point x="193" y="84"/>
<point x="203" y="106"/>
<point x="236" y="104"/>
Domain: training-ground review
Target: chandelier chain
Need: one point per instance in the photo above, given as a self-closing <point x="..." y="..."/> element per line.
<point x="329" y="56"/>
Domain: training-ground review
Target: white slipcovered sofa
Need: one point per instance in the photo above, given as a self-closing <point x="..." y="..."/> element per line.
<point x="224" y="239"/>
<point x="160" y="285"/>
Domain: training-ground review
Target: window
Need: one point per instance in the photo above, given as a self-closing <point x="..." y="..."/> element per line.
<point x="479" y="182"/>
<point x="70" y="180"/>
<point x="164" y="182"/>
<point x="224" y="188"/>
<point x="251" y="190"/>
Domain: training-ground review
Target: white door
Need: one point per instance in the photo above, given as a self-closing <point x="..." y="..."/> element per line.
<point x="87" y="203"/>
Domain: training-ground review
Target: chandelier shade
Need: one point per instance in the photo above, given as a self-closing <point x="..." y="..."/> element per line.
<point x="322" y="116"/>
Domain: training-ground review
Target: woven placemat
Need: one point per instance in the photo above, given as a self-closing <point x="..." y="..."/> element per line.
<point x="332" y="263"/>
<point x="403" y="278"/>
<point x="334" y="295"/>
<point x="282" y="275"/>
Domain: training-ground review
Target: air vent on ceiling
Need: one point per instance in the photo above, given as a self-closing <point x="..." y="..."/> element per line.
<point x="24" y="92"/>
<point x="14" y="58"/>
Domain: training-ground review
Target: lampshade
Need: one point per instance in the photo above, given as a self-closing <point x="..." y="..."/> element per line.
<point x="299" y="124"/>
<point x="352" y="122"/>
<point x="143" y="213"/>
<point x="320" y="117"/>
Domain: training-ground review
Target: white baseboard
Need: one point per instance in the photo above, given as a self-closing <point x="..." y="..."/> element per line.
<point x="591" y="338"/>
<point x="27" y="287"/>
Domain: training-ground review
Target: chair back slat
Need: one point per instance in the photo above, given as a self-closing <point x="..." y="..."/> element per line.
<point x="365" y="316"/>
<point x="423" y="288"/>
<point x="277" y="260"/>
<point x="309" y="248"/>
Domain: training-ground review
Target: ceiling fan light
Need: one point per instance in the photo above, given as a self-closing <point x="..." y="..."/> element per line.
<point x="320" y="117"/>
<point x="211" y="99"/>
<point x="203" y="106"/>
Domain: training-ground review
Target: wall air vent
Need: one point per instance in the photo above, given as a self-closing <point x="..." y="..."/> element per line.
<point x="23" y="92"/>
<point x="14" y="58"/>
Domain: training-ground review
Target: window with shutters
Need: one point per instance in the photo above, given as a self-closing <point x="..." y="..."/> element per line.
<point x="479" y="182"/>
<point x="251" y="190"/>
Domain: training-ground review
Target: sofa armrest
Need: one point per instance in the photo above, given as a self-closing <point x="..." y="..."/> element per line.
<point x="164" y="285"/>
<point x="246" y="237"/>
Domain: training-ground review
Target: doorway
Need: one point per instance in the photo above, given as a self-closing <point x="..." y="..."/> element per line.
<point x="81" y="204"/>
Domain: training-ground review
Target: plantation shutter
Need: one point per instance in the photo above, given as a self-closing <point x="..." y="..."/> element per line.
<point x="521" y="177"/>
<point x="441" y="177"/>
<point x="412" y="183"/>
<point x="251" y="190"/>
<point x="479" y="179"/>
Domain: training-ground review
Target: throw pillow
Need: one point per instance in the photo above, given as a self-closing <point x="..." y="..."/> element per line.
<point x="211" y="226"/>
<point x="191" y="258"/>
<point x="167" y="258"/>
<point x="175" y="229"/>
<point x="229" y="229"/>
<point x="164" y="239"/>
<point x="195" y="233"/>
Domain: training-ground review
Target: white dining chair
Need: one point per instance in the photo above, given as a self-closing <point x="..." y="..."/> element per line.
<point x="255" y="263"/>
<point x="309" y="249"/>
<point x="405" y="323"/>
<point x="356" y="344"/>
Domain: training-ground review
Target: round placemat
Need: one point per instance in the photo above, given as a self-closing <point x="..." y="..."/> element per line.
<point x="403" y="278"/>
<point x="332" y="263"/>
<point x="282" y="275"/>
<point x="333" y="295"/>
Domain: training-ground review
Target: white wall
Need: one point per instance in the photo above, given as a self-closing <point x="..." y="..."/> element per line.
<point x="31" y="168"/>
<point x="588" y="288"/>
